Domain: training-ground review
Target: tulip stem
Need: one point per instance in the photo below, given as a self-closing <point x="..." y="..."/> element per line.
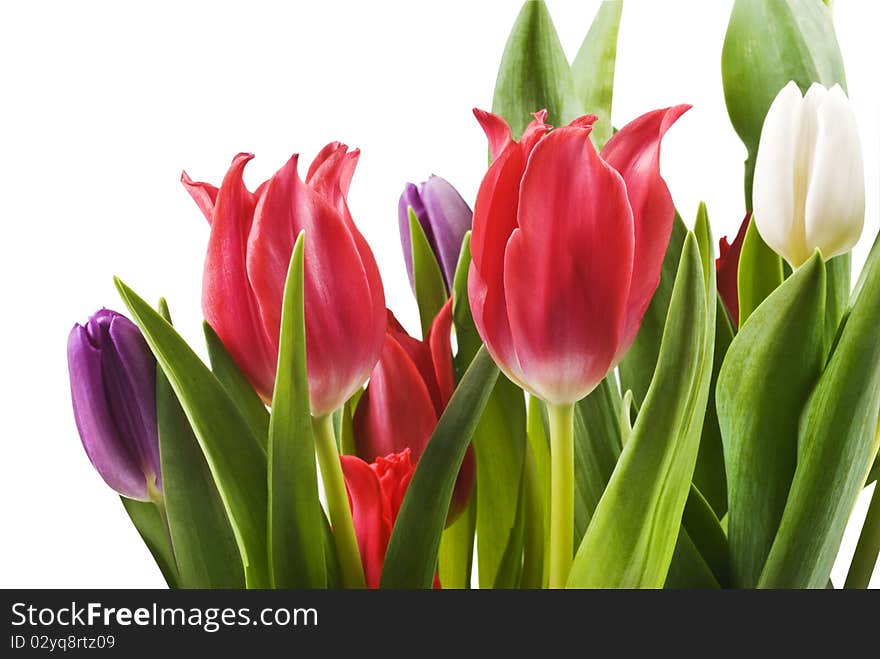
<point x="561" y="492"/>
<point x="865" y="557"/>
<point x="350" y="566"/>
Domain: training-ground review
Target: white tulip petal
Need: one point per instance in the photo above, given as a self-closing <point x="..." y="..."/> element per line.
<point x="776" y="201"/>
<point x="835" y="204"/>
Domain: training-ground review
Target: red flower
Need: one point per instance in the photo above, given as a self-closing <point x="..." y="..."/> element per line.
<point x="376" y="492"/>
<point x="727" y="269"/>
<point x="409" y="388"/>
<point x="567" y="248"/>
<point x="252" y="237"/>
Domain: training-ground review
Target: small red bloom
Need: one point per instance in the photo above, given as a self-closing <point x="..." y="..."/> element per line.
<point x="727" y="269"/>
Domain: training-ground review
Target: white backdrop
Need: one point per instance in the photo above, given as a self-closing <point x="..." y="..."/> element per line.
<point x="103" y="104"/>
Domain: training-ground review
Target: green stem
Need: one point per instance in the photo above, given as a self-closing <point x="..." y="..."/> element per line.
<point x="533" y="545"/>
<point x="351" y="569"/>
<point x="865" y="557"/>
<point x="561" y="492"/>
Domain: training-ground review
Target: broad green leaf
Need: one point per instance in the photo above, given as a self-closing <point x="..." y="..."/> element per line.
<point x="234" y="455"/>
<point x="688" y="570"/>
<point x="768" y="44"/>
<point x="759" y="272"/>
<point x="296" y="552"/>
<point x="704" y="530"/>
<point x="147" y="519"/>
<point x="637" y="367"/>
<point x="839" y="281"/>
<point x="509" y="573"/>
<point x="597" y="445"/>
<point x="430" y="289"/>
<point x="635" y="528"/>
<point x="204" y="544"/>
<point x="593" y="68"/>
<point x="836" y="447"/>
<point x="499" y="444"/>
<point x="411" y="557"/>
<point x="709" y="473"/>
<point x="771" y="367"/>
<point x="534" y="73"/>
<point x="457" y="549"/>
<point x="237" y="386"/>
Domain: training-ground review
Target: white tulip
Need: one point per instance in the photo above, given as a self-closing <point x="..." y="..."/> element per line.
<point x="809" y="188"/>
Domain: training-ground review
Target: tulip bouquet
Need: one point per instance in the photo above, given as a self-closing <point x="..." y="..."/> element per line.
<point x="594" y="401"/>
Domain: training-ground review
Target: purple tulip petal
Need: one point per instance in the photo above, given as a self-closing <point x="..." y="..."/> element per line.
<point x="450" y="218"/>
<point x="411" y="198"/>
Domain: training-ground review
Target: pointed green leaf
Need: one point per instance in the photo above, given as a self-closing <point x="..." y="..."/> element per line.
<point x="637" y="367"/>
<point x="466" y="335"/>
<point x="704" y="530"/>
<point x="237" y="386"/>
<point x="296" y="552"/>
<point x="631" y="539"/>
<point x="204" y="544"/>
<point x="768" y="44"/>
<point x="457" y="549"/>
<point x="234" y="455"/>
<point x="430" y="289"/>
<point x="759" y="272"/>
<point x="767" y="376"/>
<point x="534" y="73"/>
<point x="593" y="68"/>
<point x="688" y="570"/>
<point x="148" y="521"/>
<point x="836" y="446"/>
<point x="411" y="558"/>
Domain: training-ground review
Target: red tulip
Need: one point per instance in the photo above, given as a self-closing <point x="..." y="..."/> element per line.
<point x="252" y="237"/>
<point x="408" y="391"/>
<point x="727" y="269"/>
<point x="376" y="492"/>
<point x="567" y="248"/>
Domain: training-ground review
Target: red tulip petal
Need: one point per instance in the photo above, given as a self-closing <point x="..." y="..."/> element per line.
<point x="370" y="514"/>
<point x="568" y="267"/>
<point x="331" y="172"/>
<point x="228" y="302"/>
<point x="634" y="151"/>
<point x="496" y="129"/>
<point x="394" y="472"/>
<point x="420" y="353"/>
<point x="204" y="194"/>
<point x="727" y="268"/>
<point x="344" y="302"/>
<point x="441" y="354"/>
<point x="396" y="411"/>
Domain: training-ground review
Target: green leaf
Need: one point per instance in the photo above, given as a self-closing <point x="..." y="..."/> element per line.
<point x="597" y="445"/>
<point x="346" y="435"/>
<point x="634" y="531"/>
<point x="637" y="367"/>
<point x="768" y="44"/>
<point x="593" y="68"/>
<point x="430" y="289"/>
<point x="759" y="272"/>
<point x="705" y="532"/>
<point x="709" y="473"/>
<point x="499" y="444"/>
<point x="203" y="540"/>
<point x="147" y="519"/>
<point x="234" y="455"/>
<point x="237" y="386"/>
<point x="688" y="570"/>
<point x="296" y="552"/>
<point x="539" y="452"/>
<point x="836" y="446"/>
<point x="411" y="557"/>
<point x="770" y="369"/>
<point x="457" y="549"/>
<point x="534" y="73"/>
<point x="839" y="272"/>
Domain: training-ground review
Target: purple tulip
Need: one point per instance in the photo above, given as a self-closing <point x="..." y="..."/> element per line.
<point x="113" y="387"/>
<point x="445" y="218"/>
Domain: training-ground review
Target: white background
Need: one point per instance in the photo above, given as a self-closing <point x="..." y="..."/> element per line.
<point x="102" y="104"/>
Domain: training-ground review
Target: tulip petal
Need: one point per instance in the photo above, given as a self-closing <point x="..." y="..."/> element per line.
<point x="204" y="194"/>
<point x="449" y="218"/>
<point x="410" y="198"/>
<point x="440" y="348"/>
<point x="780" y="182"/>
<point x="344" y="301"/>
<point x="227" y="300"/>
<point x="835" y="202"/>
<point x="115" y="461"/>
<point x="496" y="129"/>
<point x="331" y="172"/>
<point x="727" y="269"/>
<point x="396" y="411"/>
<point x="634" y="151"/>
<point x="370" y="515"/>
<point x="568" y="267"/>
